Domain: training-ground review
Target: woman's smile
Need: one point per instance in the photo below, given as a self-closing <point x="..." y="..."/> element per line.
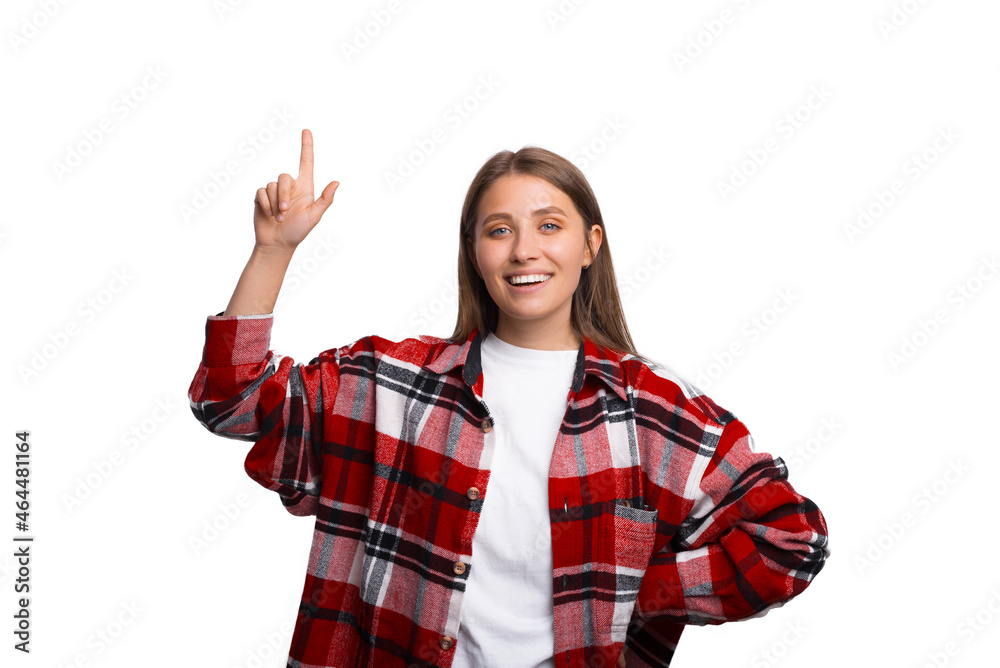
<point x="528" y="283"/>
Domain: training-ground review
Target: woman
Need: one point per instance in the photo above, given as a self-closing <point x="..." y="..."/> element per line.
<point x="530" y="491"/>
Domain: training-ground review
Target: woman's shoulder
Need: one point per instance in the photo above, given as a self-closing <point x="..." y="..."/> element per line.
<point x="417" y="349"/>
<point x="663" y="384"/>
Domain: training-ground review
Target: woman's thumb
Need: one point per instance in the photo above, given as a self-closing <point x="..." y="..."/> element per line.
<point x="326" y="199"/>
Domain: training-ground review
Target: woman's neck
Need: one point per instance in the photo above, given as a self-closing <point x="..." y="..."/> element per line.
<point x="541" y="337"/>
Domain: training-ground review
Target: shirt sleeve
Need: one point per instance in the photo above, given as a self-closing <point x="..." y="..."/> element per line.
<point x="749" y="544"/>
<point x="244" y="390"/>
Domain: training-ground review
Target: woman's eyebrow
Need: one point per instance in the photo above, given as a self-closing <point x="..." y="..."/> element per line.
<point x="502" y="215"/>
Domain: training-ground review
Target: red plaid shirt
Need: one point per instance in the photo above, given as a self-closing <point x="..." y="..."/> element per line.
<point x="662" y="512"/>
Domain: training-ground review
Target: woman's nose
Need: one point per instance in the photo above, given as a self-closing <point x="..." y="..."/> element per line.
<point x="525" y="247"/>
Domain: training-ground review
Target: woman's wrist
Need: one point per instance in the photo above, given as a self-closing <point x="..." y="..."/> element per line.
<point x="259" y="284"/>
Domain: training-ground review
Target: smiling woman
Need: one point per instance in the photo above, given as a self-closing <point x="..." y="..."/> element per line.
<point x="529" y="492"/>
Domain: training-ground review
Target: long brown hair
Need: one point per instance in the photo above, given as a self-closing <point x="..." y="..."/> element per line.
<point x="596" y="312"/>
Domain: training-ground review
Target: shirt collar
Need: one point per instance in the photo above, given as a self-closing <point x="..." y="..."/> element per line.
<point x="592" y="360"/>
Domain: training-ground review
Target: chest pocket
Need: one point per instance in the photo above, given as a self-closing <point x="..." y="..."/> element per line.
<point x="625" y="540"/>
<point x="625" y="536"/>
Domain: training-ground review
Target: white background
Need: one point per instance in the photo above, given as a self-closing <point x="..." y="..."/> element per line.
<point x="94" y="211"/>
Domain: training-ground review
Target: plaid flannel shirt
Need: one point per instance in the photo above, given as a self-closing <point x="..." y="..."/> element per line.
<point x="662" y="512"/>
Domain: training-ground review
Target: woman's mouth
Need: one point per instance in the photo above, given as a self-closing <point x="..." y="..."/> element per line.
<point x="528" y="283"/>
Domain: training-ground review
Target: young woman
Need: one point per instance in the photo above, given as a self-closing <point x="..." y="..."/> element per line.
<point x="528" y="492"/>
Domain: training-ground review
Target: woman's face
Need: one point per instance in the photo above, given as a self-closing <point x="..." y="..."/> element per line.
<point x="525" y="225"/>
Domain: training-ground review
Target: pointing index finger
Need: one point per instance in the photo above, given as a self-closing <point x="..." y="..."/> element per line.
<point x="306" y="159"/>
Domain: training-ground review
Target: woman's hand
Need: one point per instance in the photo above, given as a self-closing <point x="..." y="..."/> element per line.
<point x="621" y="660"/>
<point x="285" y="212"/>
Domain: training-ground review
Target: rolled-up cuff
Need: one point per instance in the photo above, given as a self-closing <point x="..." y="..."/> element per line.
<point x="236" y="339"/>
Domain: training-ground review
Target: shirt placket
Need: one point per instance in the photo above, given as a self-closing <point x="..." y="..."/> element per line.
<point x="486" y="425"/>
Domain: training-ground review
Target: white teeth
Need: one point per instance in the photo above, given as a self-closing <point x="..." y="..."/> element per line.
<point x="530" y="278"/>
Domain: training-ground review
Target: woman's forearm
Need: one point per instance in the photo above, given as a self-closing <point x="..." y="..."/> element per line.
<point x="259" y="284"/>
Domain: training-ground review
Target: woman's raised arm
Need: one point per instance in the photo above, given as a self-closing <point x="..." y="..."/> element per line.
<point x="284" y="214"/>
<point x="243" y="389"/>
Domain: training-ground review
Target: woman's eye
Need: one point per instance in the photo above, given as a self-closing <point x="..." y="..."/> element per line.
<point x="495" y="230"/>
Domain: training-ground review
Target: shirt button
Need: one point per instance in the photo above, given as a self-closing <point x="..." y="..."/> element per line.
<point x="446" y="643"/>
<point x="473" y="493"/>
<point x="459" y="568"/>
<point x="487" y="425"/>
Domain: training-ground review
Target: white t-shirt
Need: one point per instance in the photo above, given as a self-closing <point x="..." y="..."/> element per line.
<point x="506" y="618"/>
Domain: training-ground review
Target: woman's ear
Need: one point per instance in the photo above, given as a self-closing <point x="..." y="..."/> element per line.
<point x="595" y="242"/>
